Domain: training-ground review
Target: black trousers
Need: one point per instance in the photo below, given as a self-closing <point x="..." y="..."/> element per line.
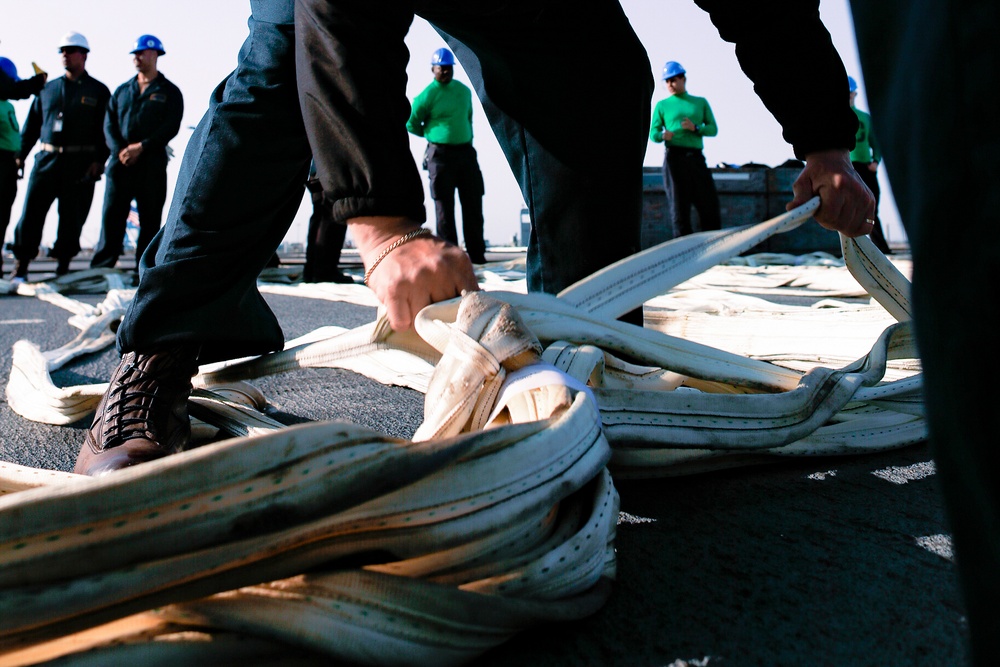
<point x="451" y="169"/>
<point x="950" y="220"/>
<point x="324" y="243"/>
<point x="687" y="181"/>
<point x="524" y="60"/>
<point x="62" y="177"/>
<point x="146" y="183"/>
<point x="341" y="68"/>
<point x="8" y="191"/>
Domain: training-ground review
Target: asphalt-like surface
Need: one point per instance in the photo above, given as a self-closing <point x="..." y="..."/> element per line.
<point x="832" y="561"/>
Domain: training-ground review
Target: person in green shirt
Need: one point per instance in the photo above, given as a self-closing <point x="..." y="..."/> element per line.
<point x="10" y="149"/>
<point x="680" y="122"/>
<point x="442" y="114"/>
<point x="865" y="157"/>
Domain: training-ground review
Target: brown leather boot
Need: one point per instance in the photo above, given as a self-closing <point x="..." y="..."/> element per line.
<point x="143" y="414"/>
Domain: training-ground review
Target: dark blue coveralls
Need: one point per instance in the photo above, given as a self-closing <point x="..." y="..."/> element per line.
<point x="68" y="117"/>
<point x="152" y="117"/>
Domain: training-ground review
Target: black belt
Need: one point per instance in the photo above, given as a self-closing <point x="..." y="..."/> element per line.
<point x="67" y="149"/>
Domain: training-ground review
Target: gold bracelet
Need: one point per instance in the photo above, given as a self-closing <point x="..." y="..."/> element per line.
<point x="409" y="236"/>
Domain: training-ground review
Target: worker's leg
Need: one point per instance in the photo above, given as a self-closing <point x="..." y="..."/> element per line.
<point x="949" y="215"/>
<point x="705" y="196"/>
<point x="579" y="183"/>
<point x="677" y="186"/>
<point x="75" y="198"/>
<point x="240" y="185"/>
<point x="470" y="194"/>
<point x="114" y="217"/>
<point x="41" y="192"/>
<point x="150" y="196"/>
<point x="442" y="177"/>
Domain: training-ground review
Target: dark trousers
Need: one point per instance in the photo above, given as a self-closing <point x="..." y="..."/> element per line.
<point x="324" y="243"/>
<point x="8" y="192"/>
<point x="241" y="178"/>
<point x="523" y="60"/>
<point x="452" y="168"/>
<point x="950" y="220"/>
<point x="871" y="180"/>
<point x="688" y="181"/>
<point x="146" y="182"/>
<point x="239" y="187"/>
<point x="62" y="177"/>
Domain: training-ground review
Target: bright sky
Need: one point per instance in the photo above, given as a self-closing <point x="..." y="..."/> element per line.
<point x="202" y="39"/>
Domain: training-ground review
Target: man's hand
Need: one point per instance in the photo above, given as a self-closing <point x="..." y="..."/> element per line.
<point x="130" y="154"/>
<point x="846" y="204"/>
<point x="416" y="274"/>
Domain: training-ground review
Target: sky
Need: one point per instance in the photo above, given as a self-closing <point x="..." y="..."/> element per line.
<point x="202" y="39"/>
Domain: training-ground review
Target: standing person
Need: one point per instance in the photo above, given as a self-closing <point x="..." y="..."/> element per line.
<point x="442" y="114"/>
<point x="324" y="240"/>
<point x="10" y="153"/>
<point x="866" y="157"/>
<point x="681" y="121"/>
<point x="333" y="85"/>
<point x="904" y="45"/>
<point x="144" y="114"/>
<point x="13" y="87"/>
<point x="68" y="116"/>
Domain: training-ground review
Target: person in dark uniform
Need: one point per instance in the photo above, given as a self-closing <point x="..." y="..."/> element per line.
<point x="866" y="157"/>
<point x="681" y="121"/>
<point x="442" y="114"/>
<point x="324" y="240"/>
<point x="14" y="88"/>
<point x="68" y="116"/>
<point x="316" y="80"/>
<point x="10" y="146"/>
<point x="144" y="114"/>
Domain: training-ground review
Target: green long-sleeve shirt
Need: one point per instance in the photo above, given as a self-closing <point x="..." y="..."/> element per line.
<point x="442" y="113"/>
<point x="668" y="114"/>
<point x="865" y="147"/>
<point x="10" y="132"/>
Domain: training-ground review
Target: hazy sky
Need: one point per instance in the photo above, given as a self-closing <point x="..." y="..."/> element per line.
<point x="202" y="38"/>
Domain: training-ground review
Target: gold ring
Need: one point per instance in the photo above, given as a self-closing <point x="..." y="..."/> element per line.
<point x="870" y="221"/>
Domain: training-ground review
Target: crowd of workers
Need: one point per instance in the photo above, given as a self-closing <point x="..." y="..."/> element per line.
<point x="309" y="67"/>
<point x="144" y="114"/>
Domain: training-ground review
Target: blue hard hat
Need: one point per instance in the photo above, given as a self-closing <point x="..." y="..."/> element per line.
<point x="852" y="84"/>
<point x="672" y="69"/>
<point x="9" y="68"/>
<point x="148" y="42"/>
<point x="442" y="57"/>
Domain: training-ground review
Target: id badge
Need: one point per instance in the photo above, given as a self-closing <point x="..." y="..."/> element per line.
<point x="57" y="125"/>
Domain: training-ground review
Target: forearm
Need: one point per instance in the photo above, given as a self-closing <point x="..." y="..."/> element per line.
<point x="807" y="94"/>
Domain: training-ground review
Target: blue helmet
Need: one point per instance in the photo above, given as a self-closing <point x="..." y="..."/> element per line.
<point x="852" y="84"/>
<point x="148" y="42"/>
<point x="442" y="57"/>
<point x="8" y="67"/>
<point x="672" y="69"/>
